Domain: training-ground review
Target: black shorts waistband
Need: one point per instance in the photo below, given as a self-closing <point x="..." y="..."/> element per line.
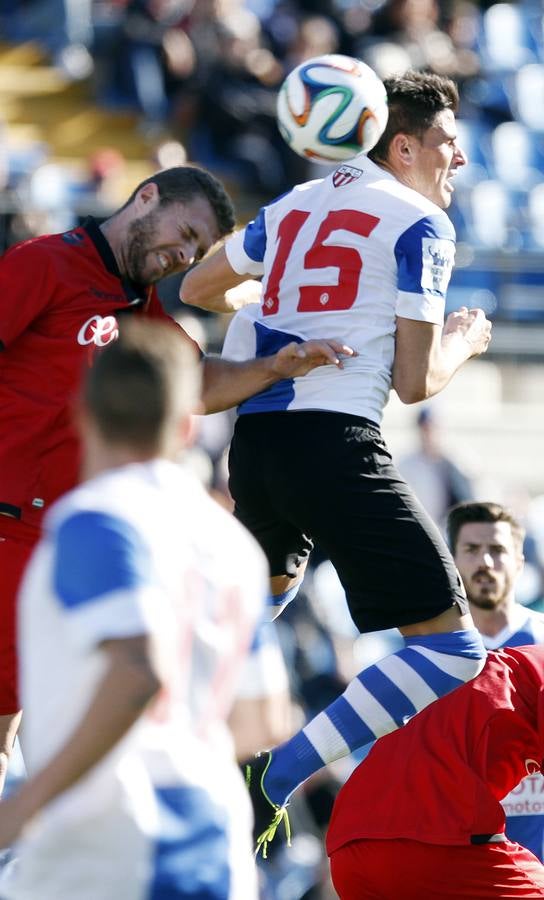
<point x="499" y="838"/>
<point x="346" y="418"/>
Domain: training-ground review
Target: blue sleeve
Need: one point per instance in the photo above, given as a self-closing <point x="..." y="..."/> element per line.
<point x="255" y="237"/>
<point x="255" y="233"/>
<point x="425" y="254"/>
<point x="96" y="554"/>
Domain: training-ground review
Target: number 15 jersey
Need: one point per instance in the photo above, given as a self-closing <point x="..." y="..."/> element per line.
<point x="342" y="257"/>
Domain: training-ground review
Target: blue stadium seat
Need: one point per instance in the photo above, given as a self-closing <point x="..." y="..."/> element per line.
<point x="490" y="216"/>
<point x="535" y="211"/>
<point x="506" y="42"/>
<point x="529" y="96"/>
<point x="518" y="162"/>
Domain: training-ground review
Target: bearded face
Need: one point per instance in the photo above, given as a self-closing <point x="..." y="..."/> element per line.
<point x="489" y="560"/>
<point x="144" y="265"/>
<point x="168" y="239"/>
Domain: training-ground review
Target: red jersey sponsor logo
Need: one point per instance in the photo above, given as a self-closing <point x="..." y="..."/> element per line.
<point x="345" y="175"/>
<point x="98" y="330"/>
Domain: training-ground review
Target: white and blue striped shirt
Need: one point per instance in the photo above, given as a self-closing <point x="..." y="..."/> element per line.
<point x="342" y="257"/>
<point x="140" y="550"/>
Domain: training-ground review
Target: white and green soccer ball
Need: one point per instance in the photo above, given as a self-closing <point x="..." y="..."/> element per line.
<point x="332" y="107"/>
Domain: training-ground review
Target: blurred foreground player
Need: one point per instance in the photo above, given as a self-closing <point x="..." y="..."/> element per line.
<point x="136" y="613"/>
<point x="420" y="817"/>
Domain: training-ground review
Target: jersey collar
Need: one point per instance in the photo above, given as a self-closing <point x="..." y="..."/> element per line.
<point x="369" y="166"/>
<point x="517" y="619"/>
<point x="136" y="294"/>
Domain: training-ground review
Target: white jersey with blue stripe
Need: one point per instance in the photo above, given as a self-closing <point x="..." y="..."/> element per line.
<point x="524" y="806"/>
<point x="140" y="550"/>
<point x="342" y="257"/>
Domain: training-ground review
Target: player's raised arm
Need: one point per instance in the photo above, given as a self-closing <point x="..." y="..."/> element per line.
<point x="427" y="356"/>
<point x="214" y="285"/>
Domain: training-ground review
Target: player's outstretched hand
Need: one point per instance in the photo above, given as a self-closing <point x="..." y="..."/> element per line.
<point x="295" y="360"/>
<point x="473" y="326"/>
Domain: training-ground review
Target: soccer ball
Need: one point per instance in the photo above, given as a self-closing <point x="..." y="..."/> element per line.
<point x="330" y="108"/>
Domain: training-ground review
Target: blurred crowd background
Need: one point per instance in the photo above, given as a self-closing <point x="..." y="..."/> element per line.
<point x="97" y="94"/>
<point x="92" y="90"/>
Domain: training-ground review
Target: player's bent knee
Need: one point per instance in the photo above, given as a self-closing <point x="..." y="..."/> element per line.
<point x="449" y="620"/>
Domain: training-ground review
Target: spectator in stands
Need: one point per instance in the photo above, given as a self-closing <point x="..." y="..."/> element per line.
<point x="462" y="21"/>
<point x="437" y="480"/>
<point x="235" y="131"/>
<point x="486" y="541"/>
<point x="314" y="36"/>
<point x="152" y="44"/>
<point x="413" y="34"/>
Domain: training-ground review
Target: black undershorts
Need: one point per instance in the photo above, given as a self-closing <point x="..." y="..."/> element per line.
<point x="300" y="477"/>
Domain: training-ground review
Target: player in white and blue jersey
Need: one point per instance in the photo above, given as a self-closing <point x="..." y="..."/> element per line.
<point x="365" y="253"/>
<point x="136" y="615"/>
<point x="486" y="540"/>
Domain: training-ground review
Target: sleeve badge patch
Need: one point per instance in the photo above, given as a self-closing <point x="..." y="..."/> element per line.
<point x="437" y="263"/>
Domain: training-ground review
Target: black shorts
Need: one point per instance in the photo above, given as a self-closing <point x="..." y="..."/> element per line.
<point x="297" y="477"/>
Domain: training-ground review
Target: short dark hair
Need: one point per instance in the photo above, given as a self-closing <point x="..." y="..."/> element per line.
<point x="185" y="182"/>
<point x="142" y="383"/>
<point x="414" y="100"/>
<point x="474" y="511"/>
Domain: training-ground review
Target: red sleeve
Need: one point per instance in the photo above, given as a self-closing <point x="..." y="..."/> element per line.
<point x="25" y="288"/>
<point x="154" y="310"/>
<point x="540" y="719"/>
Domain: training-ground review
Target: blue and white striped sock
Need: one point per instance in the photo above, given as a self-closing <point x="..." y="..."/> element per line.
<point x="276" y="603"/>
<point x="377" y="701"/>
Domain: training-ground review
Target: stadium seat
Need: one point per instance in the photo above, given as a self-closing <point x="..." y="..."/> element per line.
<point x="506" y="41"/>
<point x="535" y="209"/>
<point x="516" y="156"/>
<point x="529" y="96"/>
<point x="489" y="215"/>
<point x="535" y="24"/>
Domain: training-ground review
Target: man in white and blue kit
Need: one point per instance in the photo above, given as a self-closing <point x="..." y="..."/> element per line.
<point x="136" y="614"/>
<point x="486" y="540"/>
<point x="365" y="253"/>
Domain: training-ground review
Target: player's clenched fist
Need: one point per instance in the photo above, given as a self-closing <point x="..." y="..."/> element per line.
<point x="472" y="325"/>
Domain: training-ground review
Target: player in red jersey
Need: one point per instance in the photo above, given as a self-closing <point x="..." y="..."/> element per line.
<point x="420" y="817"/>
<point x="62" y="298"/>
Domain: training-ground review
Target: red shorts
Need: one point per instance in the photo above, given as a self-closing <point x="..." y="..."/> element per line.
<point x="16" y="543"/>
<point x="390" y="870"/>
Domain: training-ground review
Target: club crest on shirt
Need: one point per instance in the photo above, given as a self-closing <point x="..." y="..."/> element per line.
<point x="437" y="263"/>
<point x="98" y="330"/>
<point x="345" y="175"/>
